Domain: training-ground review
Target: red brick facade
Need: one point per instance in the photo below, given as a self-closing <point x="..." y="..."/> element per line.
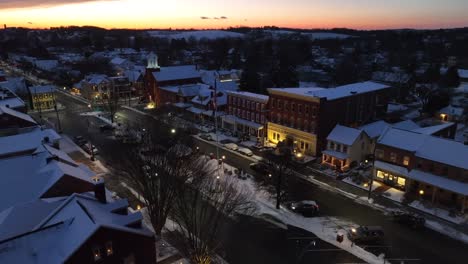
<point x="247" y="108"/>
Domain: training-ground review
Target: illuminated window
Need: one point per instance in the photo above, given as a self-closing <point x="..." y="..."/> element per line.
<point x="406" y="160"/>
<point x="109" y="249"/>
<point x="380" y="174"/>
<point x="96" y="253"/>
<point x="401" y="181"/>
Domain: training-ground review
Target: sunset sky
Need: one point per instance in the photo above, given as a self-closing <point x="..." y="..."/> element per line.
<point x="358" y="14"/>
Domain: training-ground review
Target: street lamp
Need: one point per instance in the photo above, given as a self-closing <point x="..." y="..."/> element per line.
<point x="173" y="131"/>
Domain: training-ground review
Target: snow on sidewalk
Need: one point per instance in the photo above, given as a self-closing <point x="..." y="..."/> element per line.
<point x="325" y="228"/>
<point x="99" y="115"/>
<point x="439" y="212"/>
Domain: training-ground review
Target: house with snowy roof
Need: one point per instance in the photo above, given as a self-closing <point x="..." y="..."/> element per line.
<point x="12" y="121"/>
<point x="452" y="113"/>
<point x="346" y="147"/>
<point x="80" y="228"/>
<point x="42" y="172"/>
<point x="424" y="167"/>
<point x="10" y="100"/>
<point x="46" y="65"/>
<point x="157" y="77"/>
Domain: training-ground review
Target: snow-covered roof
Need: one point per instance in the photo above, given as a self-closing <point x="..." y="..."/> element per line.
<point x="452" y="110"/>
<point x="334" y="93"/>
<point x="430" y="130"/>
<point x="133" y="75"/>
<point x="172" y="73"/>
<point x="13" y="102"/>
<point x="336" y="154"/>
<point x="17" y="84"/>
<point x="29" y="177"/>
<point x="26" y="141"/>
<point x="441" y="182"/>
<point x="428" y="147"/>
<point x="96" y="79"/>
<point x="38" y="89"/>
<point x="375" y="129"/>
<point x="406" y="125"/>
<point x="8" y="111"/>
<point x="344" y="135"/>
<point x="66" y="227"/>
<point x="251" y="96"/>
<point x="46" y="65"/>
<point x="195" y="110"/>
<point x="117" y="61"/>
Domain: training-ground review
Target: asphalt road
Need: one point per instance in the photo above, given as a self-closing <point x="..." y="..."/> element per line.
<point x="250" y="241"/>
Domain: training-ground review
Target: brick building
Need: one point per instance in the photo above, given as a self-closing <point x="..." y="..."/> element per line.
<point x="303" y="117"/>
<point x="157" y="77"/>
<point x="424" y="166"/>
<point x="246" y="113"/>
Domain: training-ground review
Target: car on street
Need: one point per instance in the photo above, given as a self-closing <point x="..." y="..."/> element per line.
<point x="305" y="207"/>
<point x="79" y="140"/>
<point x="231" y="146"/>
<point x="409" y="219"/>
<point x="106" y="127"/>
<point x="366" y="234"/>
<point x="260" y="167"/>
<point x="245" y="151"/>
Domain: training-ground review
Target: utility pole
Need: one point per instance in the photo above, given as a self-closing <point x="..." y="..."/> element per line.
<point x="58" y="117"/>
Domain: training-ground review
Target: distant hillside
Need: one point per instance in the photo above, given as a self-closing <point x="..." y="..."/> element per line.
<point x="199" y="34"/>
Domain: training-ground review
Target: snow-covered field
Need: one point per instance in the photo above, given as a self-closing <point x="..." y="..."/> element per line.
<point x="199" y="34"/>
<point x="312" y="35"/>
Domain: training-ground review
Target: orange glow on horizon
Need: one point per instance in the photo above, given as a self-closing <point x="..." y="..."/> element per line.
<point x="185" y="14"/>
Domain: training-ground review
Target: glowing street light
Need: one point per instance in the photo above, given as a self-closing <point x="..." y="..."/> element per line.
<point x="421" y="192"/>
<point x="89" y="105"/>
<point x="138" y="207"/>
<point x="173" y="131"/>
<point x="223" y="157"/>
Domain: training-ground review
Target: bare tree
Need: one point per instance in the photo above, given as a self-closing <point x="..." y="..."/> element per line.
<point x="202" y="206"/>
<point x="154" y="168"/>
<point x="111" y="104"/>
<point x="275" y="180"/>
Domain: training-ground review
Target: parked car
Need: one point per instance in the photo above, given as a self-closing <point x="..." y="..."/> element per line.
<point x="206" y="137"/>
<point x="245" y="151"/>
<point x="260" y="167"/>
<point x="231" y="146"/>
<point x="79" y="140"/>
<point x="306" y="207"/>
<point x="412" y="220"/>
<point x="366" y="234"/>
<point x="89" y="147"/>
<point x="106" y="127"/>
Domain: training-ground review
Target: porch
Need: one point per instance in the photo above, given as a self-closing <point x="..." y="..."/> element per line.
<point x="335" y="160"/>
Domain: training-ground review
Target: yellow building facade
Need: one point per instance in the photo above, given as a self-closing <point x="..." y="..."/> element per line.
<point x="303" y="142"/>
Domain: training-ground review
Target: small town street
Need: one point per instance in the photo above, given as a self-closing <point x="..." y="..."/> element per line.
<point x="251" y="241"/>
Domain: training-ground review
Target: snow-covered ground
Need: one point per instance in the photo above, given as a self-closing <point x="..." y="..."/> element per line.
<point x="411" y="115"/>
<point x="99" y="115"/>
<point x="375" y="184"/>
<point x="312" y="35"/>
<point x="325" y="228"/>
<point x="396" y="107"/>
<point x="198" y="34"/>
<point x="394" y="194"/>
<point x="439" y="212"/>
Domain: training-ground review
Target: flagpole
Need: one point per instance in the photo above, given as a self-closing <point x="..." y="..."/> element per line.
<point x="216" y="119"/>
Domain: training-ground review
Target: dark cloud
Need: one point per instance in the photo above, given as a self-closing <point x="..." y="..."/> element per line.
<point x="223" y="17"/>
<point x="204" y="17"/>
<point x="6" y="4"/>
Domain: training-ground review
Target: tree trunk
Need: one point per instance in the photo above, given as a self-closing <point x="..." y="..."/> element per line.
<point x="278" y="191"/>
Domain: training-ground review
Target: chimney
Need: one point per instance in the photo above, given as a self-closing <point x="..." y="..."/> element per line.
<point x="100" y="190"/>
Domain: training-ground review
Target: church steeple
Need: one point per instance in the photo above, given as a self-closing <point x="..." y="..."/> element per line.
<point x="152" y="61"/>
